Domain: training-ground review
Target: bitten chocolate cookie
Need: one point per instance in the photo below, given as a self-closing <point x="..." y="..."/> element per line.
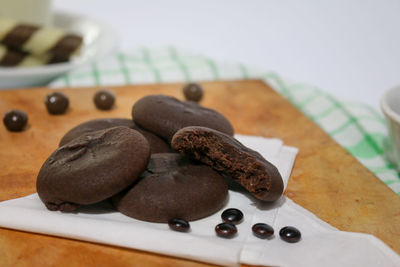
<point x="173" y="186"/>
<point x="164" y="115"/>
<point x="157" y="145"/>
<point x="92" y="167"/>
<point x="227" y="155"/>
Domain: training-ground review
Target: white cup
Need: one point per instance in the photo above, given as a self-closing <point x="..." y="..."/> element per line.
<point x="390" y="105"/>
<point x="29" y="11"/>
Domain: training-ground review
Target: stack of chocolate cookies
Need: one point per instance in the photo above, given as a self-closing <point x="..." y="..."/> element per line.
<point x="170" y="161"/>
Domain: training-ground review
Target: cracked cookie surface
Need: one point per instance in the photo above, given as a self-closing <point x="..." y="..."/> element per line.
<point x="92" y="167"/>
<point x="173" y="186"/>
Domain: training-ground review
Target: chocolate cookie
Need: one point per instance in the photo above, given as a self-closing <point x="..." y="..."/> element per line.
<point x="164" y="115"/>
<point x="227" y="155"/>
<point x="92" y="167"/>
<point x="173" y="186"/>
<point x="157" y="145"/>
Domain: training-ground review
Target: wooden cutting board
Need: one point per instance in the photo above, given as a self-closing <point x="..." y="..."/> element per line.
<point x="326" y="179"/>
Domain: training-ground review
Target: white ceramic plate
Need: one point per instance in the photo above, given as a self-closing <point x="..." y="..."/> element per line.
<point x="99" y="40"/>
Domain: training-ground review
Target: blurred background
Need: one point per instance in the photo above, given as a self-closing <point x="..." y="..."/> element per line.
<point x="348" y="48"/>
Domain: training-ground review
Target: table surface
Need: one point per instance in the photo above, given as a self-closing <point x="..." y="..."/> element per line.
<point x="348" y="48"/>
<point x="326" y="179"/>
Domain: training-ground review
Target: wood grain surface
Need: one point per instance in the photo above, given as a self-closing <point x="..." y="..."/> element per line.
<point x="326" y="179"/>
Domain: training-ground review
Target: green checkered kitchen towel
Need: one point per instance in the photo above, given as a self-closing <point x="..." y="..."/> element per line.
<point x="357" y="127"/>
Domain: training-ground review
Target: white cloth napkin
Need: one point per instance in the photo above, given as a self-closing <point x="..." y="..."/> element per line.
<point x="321" y="244"/>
